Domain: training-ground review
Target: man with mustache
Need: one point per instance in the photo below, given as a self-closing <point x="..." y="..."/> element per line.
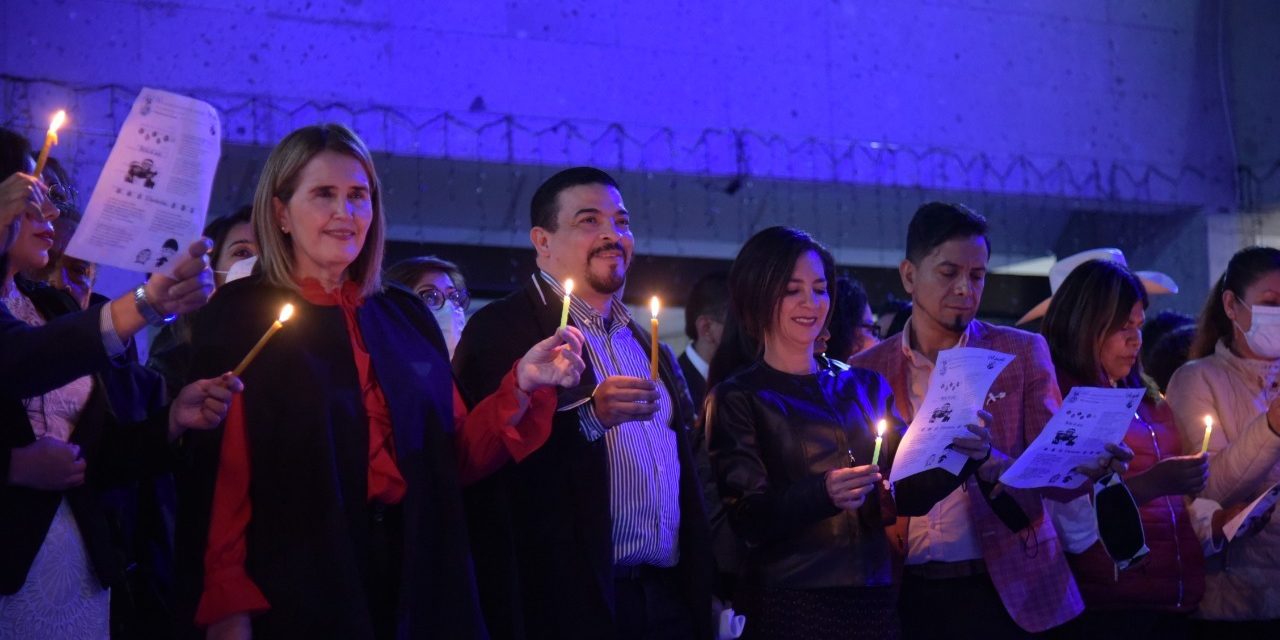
<point x="967" y="573"/>
<point x="601" y="532"/>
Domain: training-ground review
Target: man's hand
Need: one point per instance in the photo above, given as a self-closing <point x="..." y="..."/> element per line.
<point x="203" y="404"/>
<point x="622" y="399"/>
<point x="554" y="362"/>
<point x="848" y="486"/>
<point x="190" y="286"/>
<point x="48" y="464"/>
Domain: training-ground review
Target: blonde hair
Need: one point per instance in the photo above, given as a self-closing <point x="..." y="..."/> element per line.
<point x="279" y="180"/>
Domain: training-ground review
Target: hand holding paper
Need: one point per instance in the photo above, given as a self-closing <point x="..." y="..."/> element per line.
<point x="1254" y="517"/>
<point x="1080" y="439"/>
<point x="939" y="435"/>
<point x="190" y="285"/>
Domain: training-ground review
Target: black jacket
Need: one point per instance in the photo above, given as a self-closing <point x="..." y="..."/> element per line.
<point x="541" y="529"/>
<point x="773" y="436"/>
<point x="114" y="449"/>
<point x="309" y="545"/>
<point x="697" y="384"/>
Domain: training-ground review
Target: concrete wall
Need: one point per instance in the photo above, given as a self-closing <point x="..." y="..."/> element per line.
<point x="838" y="116"/>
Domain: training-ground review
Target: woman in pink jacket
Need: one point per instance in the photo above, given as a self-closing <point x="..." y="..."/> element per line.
<point x="1093" y="328"/>
<point x="1234" y="378"/>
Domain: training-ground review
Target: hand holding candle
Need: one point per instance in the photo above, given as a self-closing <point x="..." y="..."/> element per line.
<point x="875" y="455"/>
<point x="568" y="294"/>
<point x="1208" y="431"/>
<point x="653" y="352"/>
<point x="285" y="313"/>
<point x="50" y="139"/>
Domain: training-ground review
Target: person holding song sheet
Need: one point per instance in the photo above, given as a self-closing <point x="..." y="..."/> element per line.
<point x="1094" y="330"/>
<point x="65" y="437"/>
<point x="984" y="561"/>
<point x="791" y="446"/>
<point x="336" y="504"/>
<point x="1233" y="379"/>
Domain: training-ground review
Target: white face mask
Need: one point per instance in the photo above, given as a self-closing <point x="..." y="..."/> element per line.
<point x="451" y="319"/>
<point x="1263" y="335"/>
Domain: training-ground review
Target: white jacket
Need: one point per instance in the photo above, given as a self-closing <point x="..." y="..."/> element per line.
<point x="1243" y="581"/>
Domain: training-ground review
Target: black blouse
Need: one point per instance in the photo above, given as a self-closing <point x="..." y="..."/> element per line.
<point x="772" y="437"/>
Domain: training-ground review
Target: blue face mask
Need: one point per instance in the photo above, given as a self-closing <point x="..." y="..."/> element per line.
<point x="451" y="319"/>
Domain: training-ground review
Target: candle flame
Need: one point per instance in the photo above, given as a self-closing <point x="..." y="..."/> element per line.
<point x="568" y="287"/>
<point x="654" y="305"/>
<point x="58" y="119"/>
<point x="286" y="312"/>
<point x="880" y="427"/>
<point x="1208" y="422"/>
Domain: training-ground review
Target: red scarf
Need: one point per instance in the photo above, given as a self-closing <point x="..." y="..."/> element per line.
<point x="386" y="485"/>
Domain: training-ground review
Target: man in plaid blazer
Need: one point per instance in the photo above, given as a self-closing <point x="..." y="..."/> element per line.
<point x="967" y="574"/>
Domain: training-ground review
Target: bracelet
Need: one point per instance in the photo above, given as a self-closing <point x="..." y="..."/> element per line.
<point x="147" y="310"/>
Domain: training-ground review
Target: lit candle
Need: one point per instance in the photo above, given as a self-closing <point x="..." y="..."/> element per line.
<point x="564" y="313"/>
<point x="50" y="139"/>
<point x="1208" y="431"/>
<point x="875" y="455"/>
<point x="653" y="352"/>
<point x="285" y="314"/>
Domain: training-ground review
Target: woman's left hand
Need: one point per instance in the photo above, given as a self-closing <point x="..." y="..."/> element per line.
<point x="203" y="404"/>
<point x="554" y="362"/>
<point x="1116" y="461"/>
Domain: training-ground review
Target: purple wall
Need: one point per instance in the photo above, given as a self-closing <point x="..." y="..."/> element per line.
<point x="1048" y="109"/>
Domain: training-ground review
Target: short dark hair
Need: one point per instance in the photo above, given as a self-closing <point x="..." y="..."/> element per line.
<point x="758" y="282"/>
<point x="1167" y="354"/>
<point x="937" y="222"/>
<point x="546" y="200"/>
<point x="847" y="305"/>
<point x="1092" y="303"/>
<point x="410" y="270"/>
<point x="760" y="274"/>
<point x="218" y="229"/>
<point x="1158" y="327"/>
<point x="708" y="297"/>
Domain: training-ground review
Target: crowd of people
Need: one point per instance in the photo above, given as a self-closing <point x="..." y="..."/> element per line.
<point x="392" y="467"/>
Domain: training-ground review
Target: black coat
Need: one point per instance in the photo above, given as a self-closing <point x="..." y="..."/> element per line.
<point x="114" y="449"/>
<point x="693" y="378"/>
<point x="309" y="544"/>
<point x="542" y="529"/>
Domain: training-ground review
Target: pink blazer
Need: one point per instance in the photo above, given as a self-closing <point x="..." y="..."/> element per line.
<point x="1028" y="568"/>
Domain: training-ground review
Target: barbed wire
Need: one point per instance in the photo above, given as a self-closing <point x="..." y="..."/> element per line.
<point x="510" y="139"/>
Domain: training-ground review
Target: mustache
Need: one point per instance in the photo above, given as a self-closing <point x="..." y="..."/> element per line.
<point x="617" y="246"/>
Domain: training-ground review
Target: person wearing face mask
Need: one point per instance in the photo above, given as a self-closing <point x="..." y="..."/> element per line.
<point x="441" y="286"/>
<point x="1234" y="378"/>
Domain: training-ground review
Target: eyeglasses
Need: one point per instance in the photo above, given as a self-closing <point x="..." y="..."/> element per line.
<point x="63" y="197"/>
<point x="435" y="298"/>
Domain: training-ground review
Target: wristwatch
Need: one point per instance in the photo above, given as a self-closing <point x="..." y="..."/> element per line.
<point x="148" y="312"/>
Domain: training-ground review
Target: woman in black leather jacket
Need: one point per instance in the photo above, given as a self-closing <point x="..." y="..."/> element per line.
<point x="791" y="444"/>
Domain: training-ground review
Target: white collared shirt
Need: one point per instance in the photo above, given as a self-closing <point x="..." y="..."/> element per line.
<point x="946" y="533"/>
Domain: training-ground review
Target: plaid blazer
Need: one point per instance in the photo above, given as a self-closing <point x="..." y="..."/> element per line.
<point x="1028" y="568"/>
